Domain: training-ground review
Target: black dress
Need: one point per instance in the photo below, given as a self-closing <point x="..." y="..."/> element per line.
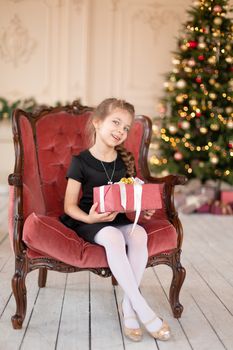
<point x="88" y="170"/>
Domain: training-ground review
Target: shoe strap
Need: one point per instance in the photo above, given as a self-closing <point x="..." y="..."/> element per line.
<point x="153" y="319"/>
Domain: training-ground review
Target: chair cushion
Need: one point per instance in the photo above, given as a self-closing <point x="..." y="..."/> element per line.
<point x="48" y="237"/>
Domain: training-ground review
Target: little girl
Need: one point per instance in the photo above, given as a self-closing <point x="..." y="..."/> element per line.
<point x="105" y="162"/>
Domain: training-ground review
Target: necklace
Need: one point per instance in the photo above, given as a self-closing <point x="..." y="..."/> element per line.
<point x="113" y="172"/>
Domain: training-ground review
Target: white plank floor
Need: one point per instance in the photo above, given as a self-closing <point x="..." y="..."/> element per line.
<point x="80" y="311"/>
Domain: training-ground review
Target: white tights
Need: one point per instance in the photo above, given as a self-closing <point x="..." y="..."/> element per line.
<point x="128" y="270"/>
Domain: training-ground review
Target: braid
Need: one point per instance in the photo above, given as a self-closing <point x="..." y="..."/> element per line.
<point x="128" y="159"/>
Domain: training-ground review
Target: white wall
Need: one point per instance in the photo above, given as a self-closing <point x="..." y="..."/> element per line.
<point x="89" y="49"/>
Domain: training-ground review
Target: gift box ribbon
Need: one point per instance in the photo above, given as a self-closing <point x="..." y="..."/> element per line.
<point x="137" y="199"/>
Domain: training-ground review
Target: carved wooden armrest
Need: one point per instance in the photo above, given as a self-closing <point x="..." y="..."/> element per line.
<point x="170" y="182"/>
<point x="15" y="180"/>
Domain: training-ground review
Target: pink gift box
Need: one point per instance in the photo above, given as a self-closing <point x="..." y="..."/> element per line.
<point x="227" y="197"/>
<point x="151" y="198"/>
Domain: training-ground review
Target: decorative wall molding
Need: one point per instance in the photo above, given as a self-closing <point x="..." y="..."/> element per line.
<point x="16" y="44"/>
<point x="157" y="16"/>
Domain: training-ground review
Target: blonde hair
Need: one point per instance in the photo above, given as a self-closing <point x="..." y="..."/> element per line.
<point x="105" y="108"/>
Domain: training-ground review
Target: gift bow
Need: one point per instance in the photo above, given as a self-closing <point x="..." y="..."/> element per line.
<point x="137" y="198"/>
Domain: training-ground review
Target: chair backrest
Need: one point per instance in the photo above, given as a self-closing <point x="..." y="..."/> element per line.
<point x="44" y="145"/>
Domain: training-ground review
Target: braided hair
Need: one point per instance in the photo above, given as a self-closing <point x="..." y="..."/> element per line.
<point x="128" y="159"/>
<point x="105" y="108"/>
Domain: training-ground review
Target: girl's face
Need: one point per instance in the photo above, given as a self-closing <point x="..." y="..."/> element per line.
<point x="114" y="129"/>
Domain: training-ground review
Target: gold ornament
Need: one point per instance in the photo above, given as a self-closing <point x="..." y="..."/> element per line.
<point x="229" y="59"/>
<point x="202" y="45"/>
<point x="181" y="83"/>
<point x="214" y="159"/>
<point x="230" y="124"/>
<point x="203" y="130"/>
<point x="185" y="125"/>
<point x="229" y="109"/>
<point x="212" y="81"/>
<point x="173" y="78"/>
<point x="175" y="61"/>
<point x="169" y="85"/>
<point x="216" y="33"/>
<point x="184" y="47"/>
<point x="180" y="98"/>
<point x="212" y="95"/>
<point x="188" y="69"/>
<point x="218" y="21"/>
<point x="193" y="102"/>
<point x="214" y="127"/>
<point x="212" y="59"/>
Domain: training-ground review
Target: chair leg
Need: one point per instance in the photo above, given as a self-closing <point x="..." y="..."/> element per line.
<point x="42" y="278"/>
<point x="114" y="281"/>
<point x="20" y="292"/>
<point x="177" y="281"/>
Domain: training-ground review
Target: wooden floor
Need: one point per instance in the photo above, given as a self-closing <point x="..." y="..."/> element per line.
<point x="80" y="311"/>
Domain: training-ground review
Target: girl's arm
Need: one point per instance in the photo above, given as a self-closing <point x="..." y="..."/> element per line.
<point x="72" y="209"/>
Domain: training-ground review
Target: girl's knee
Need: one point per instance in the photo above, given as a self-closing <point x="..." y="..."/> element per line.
<point x="111" y="236"/>
<point x="139" y="236"/>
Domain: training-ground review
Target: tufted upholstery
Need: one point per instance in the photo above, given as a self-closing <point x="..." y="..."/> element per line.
<point x="59" y="136"/>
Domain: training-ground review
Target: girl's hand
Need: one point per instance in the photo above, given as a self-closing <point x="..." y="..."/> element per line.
<point x="94" y="217"/>
<point x="148" y="214"/>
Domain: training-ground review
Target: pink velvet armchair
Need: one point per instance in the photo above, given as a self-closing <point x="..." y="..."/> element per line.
<point x="44" y="143"/>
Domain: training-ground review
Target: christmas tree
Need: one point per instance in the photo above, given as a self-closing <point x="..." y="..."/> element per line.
<point x="196" y="133"/>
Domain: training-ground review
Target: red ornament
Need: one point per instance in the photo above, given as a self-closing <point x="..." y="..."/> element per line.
<point x="230" y="144"/>
<point x="201" y="57"/>
<point x="217" y="8"/>
<point x="198" y="114"/>
<point x="192" y="44"/>
<point x="199" y="79"/>
<point x="178" y="156"/>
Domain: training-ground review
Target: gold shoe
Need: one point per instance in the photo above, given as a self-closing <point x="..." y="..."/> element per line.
<point x="134" y="334"/>
<point x="163" y="333"/>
